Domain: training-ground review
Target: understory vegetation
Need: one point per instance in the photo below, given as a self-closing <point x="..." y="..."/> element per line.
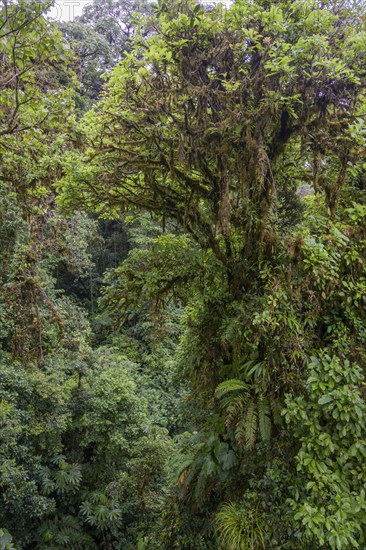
<point x="183" y="276"/>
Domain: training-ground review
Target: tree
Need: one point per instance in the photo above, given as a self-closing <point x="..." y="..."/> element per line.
<point x="34" y="61"/>
<point x="226" y="157"/>
<point x="37" y="105"/>
<point x="205" y="123"/>
<point x="80" y="462"/>
<point x="199" y="117"/>
<point x="224" y="122"/>
<point x="100" y="38"/>
<point x="114" y="19"/>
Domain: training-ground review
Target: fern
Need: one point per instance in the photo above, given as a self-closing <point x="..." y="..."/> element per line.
<point x="240" y="431"/>
<point x="234" y="408"/>
<point x="264" y="419"/>
<point x="276" y="410"/>
<point x="247" y="414"/>
<point x="250" y="426"/>
<point x="229" y="386"/>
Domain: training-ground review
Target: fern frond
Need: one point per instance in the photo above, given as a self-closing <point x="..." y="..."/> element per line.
<point x="264" y="418"/>
<point x="229" y="386"/>
<point x="250" y="426"/>
<point x="240" y="431"/>
<point x="234" y="409"/>
<point x="248" y="414"/>
<point x="276" y="409"/>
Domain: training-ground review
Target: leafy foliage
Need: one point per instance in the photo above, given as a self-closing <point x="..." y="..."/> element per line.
<point x="329" y="501"/>
<point x="147" y="356"/>
<point x="247" y="414"/>
<point x="240" y="529"/>
<point x="100" y="37"/>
